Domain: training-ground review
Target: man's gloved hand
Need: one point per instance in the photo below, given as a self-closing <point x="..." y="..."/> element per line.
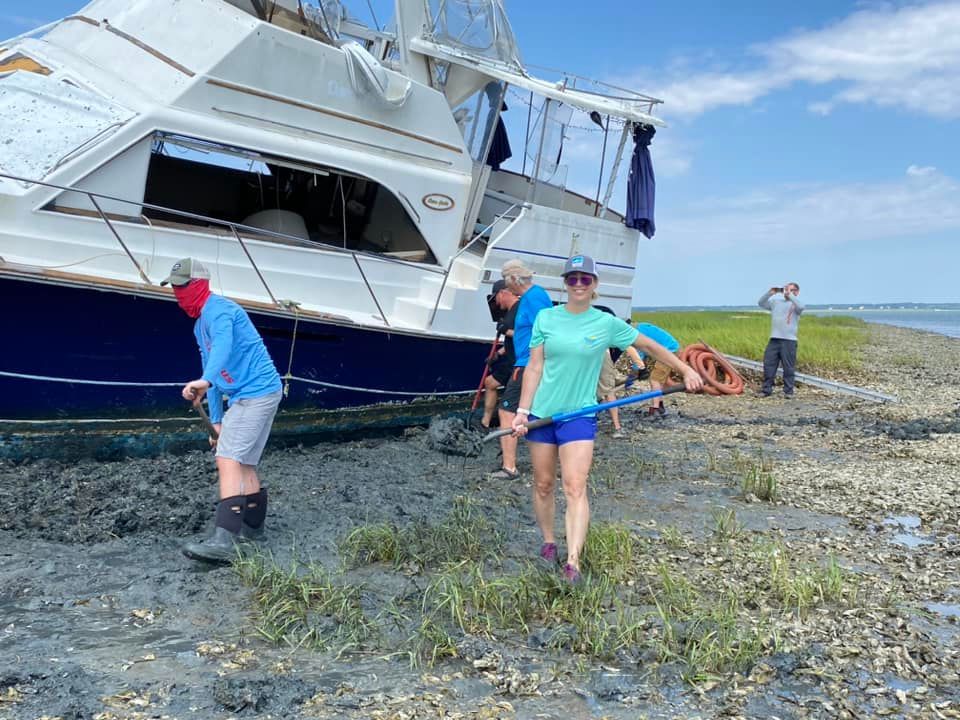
<point x="643" y="374"/>
<point x="502" y="328"/>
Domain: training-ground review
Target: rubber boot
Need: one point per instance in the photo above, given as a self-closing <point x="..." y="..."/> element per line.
<point x="221" y="546"/>
<point x="254" y="516"/>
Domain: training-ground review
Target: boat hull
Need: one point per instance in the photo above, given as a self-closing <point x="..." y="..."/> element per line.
<point x="88" y="360"/>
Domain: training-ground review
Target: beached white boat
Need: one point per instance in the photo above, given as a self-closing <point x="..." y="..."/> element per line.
<point x="338" y="180"/>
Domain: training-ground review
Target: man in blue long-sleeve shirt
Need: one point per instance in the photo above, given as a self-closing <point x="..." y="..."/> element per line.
<point x="236" y="366"/>
<point x="785" y="311"/>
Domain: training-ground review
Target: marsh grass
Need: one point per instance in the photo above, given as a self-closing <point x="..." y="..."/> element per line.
<point x="759" y="482"/>
<point x="604" y="474"/>
<point x="464" y="533"/>
<point x="717" y="641"/>
<point x="700" y="615"/>
<point x="610" y="551"/>
<point x="708" y="635"/>
<point x="301" y="605"/>
<point x="726" y="526"/>
<point x="465" y="598"/>
<point x="647" y="468"/>
<point x="799" y="587"/>
<point x="827" y="343"/>
<point x="673" y="537"/>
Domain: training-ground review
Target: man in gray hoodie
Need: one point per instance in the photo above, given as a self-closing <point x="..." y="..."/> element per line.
<point x="785" y="312"/>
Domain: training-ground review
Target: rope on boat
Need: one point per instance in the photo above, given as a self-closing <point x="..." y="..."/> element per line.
<point x="295" y="306"/>
<point x="287" y="377"/>
<point x="47" y="378"/>
<point x="381" y="392"/>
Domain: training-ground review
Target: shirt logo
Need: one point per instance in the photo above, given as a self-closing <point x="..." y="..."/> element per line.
<point x="591" y="340"/>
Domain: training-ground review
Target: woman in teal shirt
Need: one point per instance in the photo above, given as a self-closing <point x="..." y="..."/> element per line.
<point x="566" y="353"/>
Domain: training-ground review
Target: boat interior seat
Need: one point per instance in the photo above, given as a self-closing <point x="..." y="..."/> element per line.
<point x="285" y="222"/>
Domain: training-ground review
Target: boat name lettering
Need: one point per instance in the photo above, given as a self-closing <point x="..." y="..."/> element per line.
<point x="438" y="201"/>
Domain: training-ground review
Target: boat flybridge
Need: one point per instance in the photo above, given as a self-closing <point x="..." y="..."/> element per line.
<point x="342" y="183"/>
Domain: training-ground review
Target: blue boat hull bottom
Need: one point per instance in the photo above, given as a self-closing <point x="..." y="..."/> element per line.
<point x="86" y="364"/>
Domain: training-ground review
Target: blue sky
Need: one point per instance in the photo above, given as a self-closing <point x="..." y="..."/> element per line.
<point x="811" y="141"/>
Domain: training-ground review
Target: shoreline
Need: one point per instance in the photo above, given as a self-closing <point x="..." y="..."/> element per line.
<point x="102" y="614"/>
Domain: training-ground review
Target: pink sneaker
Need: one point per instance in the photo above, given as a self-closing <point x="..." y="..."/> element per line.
<point x="571" y="574"/>
<point x="549" y="555"/>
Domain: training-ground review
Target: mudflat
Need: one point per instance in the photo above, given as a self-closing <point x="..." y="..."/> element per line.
<point x="749" y="557"/>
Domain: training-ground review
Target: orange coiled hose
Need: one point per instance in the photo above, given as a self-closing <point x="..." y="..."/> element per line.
<point x="718" y="375"/>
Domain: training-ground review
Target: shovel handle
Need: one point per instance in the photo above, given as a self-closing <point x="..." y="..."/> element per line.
<point x="198" y="406"/>
<point x="541" y="422"/>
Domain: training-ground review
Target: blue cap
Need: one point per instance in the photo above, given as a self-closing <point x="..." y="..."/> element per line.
<point x="581" y="263"/>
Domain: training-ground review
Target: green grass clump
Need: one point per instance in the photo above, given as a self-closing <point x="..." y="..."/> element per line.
<point x="726" y="526"/>
<point x="464" y="533"/>
<point x="801" y="588"/>
<point x="466" y="598"/>
<point x="707" y="634"/>
<point x="759" y="482"/>
<point x="826" y="343"/>
<point x="301" y="605"/>
<point x="609" y="551"/>
<point x="716" y="641"/>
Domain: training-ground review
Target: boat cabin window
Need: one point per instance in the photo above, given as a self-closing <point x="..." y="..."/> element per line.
<point x="308" y="205"/>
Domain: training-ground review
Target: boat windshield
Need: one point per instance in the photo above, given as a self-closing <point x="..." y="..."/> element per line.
<point x="479" y="27"/>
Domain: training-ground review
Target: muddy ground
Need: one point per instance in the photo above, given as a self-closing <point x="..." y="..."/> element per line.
<point x="102" y="617"/>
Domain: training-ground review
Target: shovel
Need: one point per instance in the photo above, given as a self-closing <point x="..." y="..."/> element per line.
<point x="559" y="417"/>
<point x="198" y="406"/>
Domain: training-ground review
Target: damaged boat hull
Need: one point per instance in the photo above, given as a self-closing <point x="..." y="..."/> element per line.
<point x="118" y="359"/>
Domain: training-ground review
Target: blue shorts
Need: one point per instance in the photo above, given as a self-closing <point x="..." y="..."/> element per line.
<point x="560" y="433"/>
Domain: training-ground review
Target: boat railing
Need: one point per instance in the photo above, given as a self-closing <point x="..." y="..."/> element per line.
<point x="475" y="239"/>
<point x="235" y="229"/>
<point x="604" y="89"/>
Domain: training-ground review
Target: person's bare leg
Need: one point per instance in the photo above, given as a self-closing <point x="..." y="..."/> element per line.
<point x="490" y="386"/>
<point x="251" y="481"/>
<point x="232" y="477"/>
<point x="544" y="459"/>
<point x="614" y="412"/>
<point x="508" y="443"/>
<point x="657" y="401"/>
<point x="576" y="459"/>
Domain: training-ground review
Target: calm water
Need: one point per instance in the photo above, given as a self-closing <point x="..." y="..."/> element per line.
<point x="945" y="321"/>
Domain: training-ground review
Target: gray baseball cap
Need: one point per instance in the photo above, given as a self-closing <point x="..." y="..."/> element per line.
<point x="185" y="270"/>
<point x="581" y="263"/>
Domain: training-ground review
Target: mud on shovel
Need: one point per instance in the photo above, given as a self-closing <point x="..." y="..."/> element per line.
<point x="559" y="417"/>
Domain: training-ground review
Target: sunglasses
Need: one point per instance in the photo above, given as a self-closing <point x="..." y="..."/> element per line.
<point x="574" y="279"/>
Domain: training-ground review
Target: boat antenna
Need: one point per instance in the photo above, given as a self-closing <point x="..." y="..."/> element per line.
<point x="526" y="138"/>
<point x="376" y="22"/>
<point x="603" y="157"/>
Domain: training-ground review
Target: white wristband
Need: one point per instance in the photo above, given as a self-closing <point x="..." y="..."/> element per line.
<point x="522" y="411"/>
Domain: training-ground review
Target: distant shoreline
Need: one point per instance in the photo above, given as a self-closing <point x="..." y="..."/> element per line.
<point x="830" y="307"/>
<point x="941" y="319"/>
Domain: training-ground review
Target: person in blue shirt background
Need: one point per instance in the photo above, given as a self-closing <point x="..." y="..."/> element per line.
<point x="660" y="373"/>
<point x="236" y="366"/>
<point x="533" y="298"/>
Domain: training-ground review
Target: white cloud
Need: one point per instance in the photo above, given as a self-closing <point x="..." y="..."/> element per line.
<point x="798" y="218"/>
<point x="906" y="57"/>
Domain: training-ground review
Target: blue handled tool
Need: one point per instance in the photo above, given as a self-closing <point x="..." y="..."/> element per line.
<point x="540" y="422"/>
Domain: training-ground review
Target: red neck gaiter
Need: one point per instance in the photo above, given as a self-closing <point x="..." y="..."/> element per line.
<point x="192" y="296"/>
